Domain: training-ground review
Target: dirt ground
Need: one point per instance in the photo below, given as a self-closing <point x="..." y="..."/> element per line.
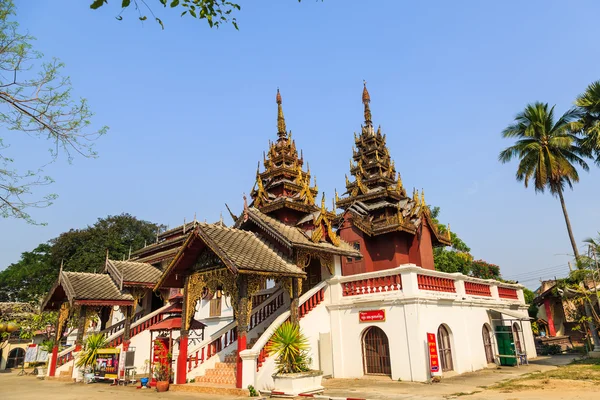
<point x="546" y="378"/>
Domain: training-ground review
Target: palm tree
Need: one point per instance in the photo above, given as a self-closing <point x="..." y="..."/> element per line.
<point x="548" y="153"/>
<point x="589" y="123"/>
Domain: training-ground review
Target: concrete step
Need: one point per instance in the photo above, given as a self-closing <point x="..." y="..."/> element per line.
<point x="211" y="388"/>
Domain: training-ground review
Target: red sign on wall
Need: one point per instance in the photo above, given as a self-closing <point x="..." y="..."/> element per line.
<point x="371" y="316"/>
<point x="434" y="360"/>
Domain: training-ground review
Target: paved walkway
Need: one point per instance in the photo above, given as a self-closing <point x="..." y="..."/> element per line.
<point x="14" y="387"/>
<point x="386" y="389"/>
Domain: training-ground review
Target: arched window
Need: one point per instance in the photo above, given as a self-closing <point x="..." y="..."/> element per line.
<point x="15" y="358"/>
<point x="445" y="348"/>
<point x="517" y="337"/>
<point x="376" y="352"/>
<point x="487" y="343"/>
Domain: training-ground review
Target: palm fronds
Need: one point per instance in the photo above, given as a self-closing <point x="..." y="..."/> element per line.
<point x="290" y="346"/>
<point x="92" y="344"/>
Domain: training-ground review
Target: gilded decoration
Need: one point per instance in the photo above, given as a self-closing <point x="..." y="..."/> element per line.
<point x="138" y="294"/>
<point x="63" y="317"/>
<point x="193" y="291"/>
<point x="207" y="260"/>
<point x="327" y="262"/>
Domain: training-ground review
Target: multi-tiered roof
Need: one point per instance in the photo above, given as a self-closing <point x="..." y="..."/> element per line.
<point x="284" y="183"/>
<point x="376" y="197"/>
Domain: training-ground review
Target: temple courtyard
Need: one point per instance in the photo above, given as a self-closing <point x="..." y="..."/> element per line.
<point x="547" y="378"/>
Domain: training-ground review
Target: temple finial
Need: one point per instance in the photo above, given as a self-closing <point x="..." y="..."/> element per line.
<point x="184" y="225"/>
<point x="366" y="99"/>
<point x="281" y="131"/>
<point x="323" y="209"/>
<point x="62" y="261"/>
<point x="245" y="208"/>
<point x="423" y="198"/>
<point x="233" y="216"/>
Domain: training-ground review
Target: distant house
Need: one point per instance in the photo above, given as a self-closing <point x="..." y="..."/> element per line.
<point x="558" y="317"/>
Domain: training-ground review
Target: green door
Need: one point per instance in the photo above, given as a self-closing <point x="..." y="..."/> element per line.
<point x="506" y="347"/>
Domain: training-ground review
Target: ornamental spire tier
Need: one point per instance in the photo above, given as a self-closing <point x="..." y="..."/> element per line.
<point x="375" y="200"/>
<point x="284" y="188"/>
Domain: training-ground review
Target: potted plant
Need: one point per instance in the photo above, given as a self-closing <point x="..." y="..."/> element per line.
<point x="293" y="374"/>
<point x="87" y="358"/>
<point x="162" y="369"/>
<point x="161" y="374"/>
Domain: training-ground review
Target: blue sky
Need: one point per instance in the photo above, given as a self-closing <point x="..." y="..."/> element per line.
<point x="191" y="110"/>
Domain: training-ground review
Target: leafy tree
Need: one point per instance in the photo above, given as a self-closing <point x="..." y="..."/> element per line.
<point x="547" y="151"/>
<point x="452" y="261"/>
<point x="589" y="122"/>
<point x="26" y="279"/>
<point x="36" y="99"/>
<point x="529" y="297"/>
<point x="484" y="270"/>
<point x="82" y="250"/>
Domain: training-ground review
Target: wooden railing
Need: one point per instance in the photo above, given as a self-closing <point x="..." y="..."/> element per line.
<point x="507" y="293"/>
<point x="228" y="334"/>
<point x="304" y="308"/>
<point x="372" y="285"/>
<point x="115" y="337"/>
<point x="478" y="289"/>
<point x="435" y="283"/>
<point x="120" y="325"/>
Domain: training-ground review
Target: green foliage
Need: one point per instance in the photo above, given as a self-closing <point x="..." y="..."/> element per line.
<point x="588" y="125"/>
<point x="214" y="12"/>
<point x="546" y="148"/>
<point x="28" y="278"/>
<point x="458" y="257"/>
<point x="533" y="309"/>
<point x="252" y="390"/>
<point x="82" y="250"/>
<point x="35" y="99"/>
<point x="452" y="261"/>
<point x="92" y="344"/>
<point x="290" y="346"/>
<point x="484" y="270"/>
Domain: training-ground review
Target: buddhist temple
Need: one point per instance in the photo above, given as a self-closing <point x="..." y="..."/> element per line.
<point x="378" y="216"/>
<point x="361" y="284"/>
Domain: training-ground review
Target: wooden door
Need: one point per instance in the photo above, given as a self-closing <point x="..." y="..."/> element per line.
<point x="487" y="344"/>
<point x="376" y="352"/>
<point x="445" y="349"/>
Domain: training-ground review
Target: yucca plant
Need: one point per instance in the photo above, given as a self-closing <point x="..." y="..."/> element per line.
<point x="290" y="346"/>
<point x="92" y="344"/>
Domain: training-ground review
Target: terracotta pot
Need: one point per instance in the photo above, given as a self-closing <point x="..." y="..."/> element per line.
<point x="162" y="386"/>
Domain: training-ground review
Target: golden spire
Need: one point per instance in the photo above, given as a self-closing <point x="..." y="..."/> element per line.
<point x="281" y="131"/>
<point x="416" y="196"/>
<point x="315" y="184"/>
<point x="337" y="198"/>
<point x="323" y="209"/>
<point x="347" y="181"/>
<point x="399" y="184"/>
<point x="366" y="99"/>
<point x="423" y="204"/>
<point x="448" y="231"/>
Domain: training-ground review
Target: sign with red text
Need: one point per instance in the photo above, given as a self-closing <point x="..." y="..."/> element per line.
<point x="371" y="316"/>
<point x="434" y="361"/>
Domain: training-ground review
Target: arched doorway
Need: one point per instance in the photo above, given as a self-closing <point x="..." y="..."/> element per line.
<point x="15" y="358"/>
<point x="445" y="348"/>
<point x="376" y="352"/>
<point x="517" y="337"/>
<point x="487" y="344"/>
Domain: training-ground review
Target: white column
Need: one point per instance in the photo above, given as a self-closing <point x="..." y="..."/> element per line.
<point x="248" y="367"/>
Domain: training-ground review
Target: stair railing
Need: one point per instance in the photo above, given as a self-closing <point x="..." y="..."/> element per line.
<point x="227" y="335"/>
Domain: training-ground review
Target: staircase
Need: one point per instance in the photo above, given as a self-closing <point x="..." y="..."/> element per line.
<point x="224" y="373"/>
<point x="204" y="367"/>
